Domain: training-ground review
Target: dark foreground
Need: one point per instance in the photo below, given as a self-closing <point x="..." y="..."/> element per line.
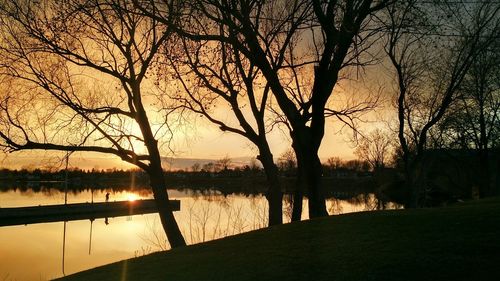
<point x="461" y="242"/>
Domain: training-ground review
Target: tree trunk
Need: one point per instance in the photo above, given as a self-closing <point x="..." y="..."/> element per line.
<point x="155" y="172"/>
<point x="313" y="174"/>
<point x="168" y="222"/>
<point x="298" y="195"/>
<point x="310" y="173"/>
<point x="274" y="194"/>
<point x="484" y="181"/>
<point x="415" y="179"/>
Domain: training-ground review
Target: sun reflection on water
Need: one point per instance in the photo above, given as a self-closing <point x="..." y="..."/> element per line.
<point x="203" y="216"/>
<point x="132" y="197"/>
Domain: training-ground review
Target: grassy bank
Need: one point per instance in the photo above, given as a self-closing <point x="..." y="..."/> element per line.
<point x="461" y="242"/>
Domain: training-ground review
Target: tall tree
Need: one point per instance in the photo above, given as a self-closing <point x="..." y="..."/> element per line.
<point x="474" y="120"/>
<point x="214" y="75"/>
<point x="290" y="42"/>
<point x="432" y="46"/>
<point x="77" y="71"/>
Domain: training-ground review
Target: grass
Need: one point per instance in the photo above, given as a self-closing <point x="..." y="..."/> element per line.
<point x="461" y="242"/>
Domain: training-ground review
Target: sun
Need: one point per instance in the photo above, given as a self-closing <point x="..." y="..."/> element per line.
<point x="132" y="197"/>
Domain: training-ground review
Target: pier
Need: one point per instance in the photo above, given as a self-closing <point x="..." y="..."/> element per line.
<point x="78" y="211"/>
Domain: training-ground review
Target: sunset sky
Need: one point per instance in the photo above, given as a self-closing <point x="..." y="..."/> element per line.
<point x="197" y="139"/>
<point x="209" y="143"/>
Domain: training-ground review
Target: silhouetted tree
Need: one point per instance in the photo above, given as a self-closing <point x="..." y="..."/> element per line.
<point x="208" y="167"/>
<point x="287" y="161"/>
<point x="334" y="163"/>
<point x="357" y="165"/>
<point x="224" y="163"/>
<point x="301" y="74"/>
<point x="75" y="72"/>
<point x="215" y="75"/>
<point x="195" y="167"/>
<point x="374" y="148"/>
<point x="473" y="121"/>
<point x="432" y="46"/>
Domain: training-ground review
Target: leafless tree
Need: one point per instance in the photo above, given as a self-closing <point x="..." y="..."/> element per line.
<point x="214" y="75"/>
<point x="473" y="121"/>
<point x="432" y="47"/>
<point x="334" y="162"/>
<point x="195" y="167"/>
<point x="224" y="163"/>
<point x="208" y="167"/>
<point x="299" y="47"/>
<point x="357" y="165"/>
<point x="226" y="78"/>
<point x="287" y="161"/>
<point x="374" y="148"/>
<point x="76" y="72"/>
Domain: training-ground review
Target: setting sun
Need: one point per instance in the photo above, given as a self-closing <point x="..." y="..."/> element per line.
<point x="131" y="130"/>
<point x="132" y="197"/>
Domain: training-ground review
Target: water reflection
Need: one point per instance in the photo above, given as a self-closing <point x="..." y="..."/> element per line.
<point x="35" y="252"/>
<point x="213" y="216"/>
<point x="359" y="203"/>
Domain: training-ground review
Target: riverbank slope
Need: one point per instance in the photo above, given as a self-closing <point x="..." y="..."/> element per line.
<point x="459" y="242"/>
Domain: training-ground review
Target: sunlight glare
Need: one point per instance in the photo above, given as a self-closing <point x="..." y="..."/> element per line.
<point x="132" y="197"/>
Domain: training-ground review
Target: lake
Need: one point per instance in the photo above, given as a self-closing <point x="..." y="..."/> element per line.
<point x="50" y="250"/>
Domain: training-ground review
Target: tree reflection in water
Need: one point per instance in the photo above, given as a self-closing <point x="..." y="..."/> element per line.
<point x="204" y="215"/>
<point x="210" y="215"/>
<point x="358" y="203"/>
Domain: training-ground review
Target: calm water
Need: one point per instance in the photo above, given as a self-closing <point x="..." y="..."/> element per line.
<point x="35" y="252"/>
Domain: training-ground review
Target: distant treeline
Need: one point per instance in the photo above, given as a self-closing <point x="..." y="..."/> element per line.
<point x="334" y="167"/>
<point x="340" y="176"/>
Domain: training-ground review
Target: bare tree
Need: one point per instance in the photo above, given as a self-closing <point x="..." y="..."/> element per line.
<point x="196" y="167"/>
<point x="287" y="161"/>
<point x="481" y="103"/>
<point x="208" y="167"/>
<point x="374" y="148"/>
<point x="357" y="165"/>
<point x="334" y="162"/>
<point x="77" y="71"/>
<point x="332" y="165"/>
<point x="224" y="163"/>
<point x="473" y="121"/>
<point x="431" y="57"/>
<point x="214" y="75"/>
<point x="301" y="74"/>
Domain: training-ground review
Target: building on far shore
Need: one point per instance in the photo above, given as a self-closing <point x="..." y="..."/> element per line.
<point x="458" y="173"/>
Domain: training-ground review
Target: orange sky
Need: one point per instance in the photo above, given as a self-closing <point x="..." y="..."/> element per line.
<point x="204" y="140"/>
<point x="209" y="143"/>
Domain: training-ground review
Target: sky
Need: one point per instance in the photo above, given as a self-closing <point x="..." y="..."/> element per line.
<point x="209" y="143"/>
<point x="202" y="140"/>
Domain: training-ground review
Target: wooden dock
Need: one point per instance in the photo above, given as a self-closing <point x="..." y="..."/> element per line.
<point x="78" y="211"/>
